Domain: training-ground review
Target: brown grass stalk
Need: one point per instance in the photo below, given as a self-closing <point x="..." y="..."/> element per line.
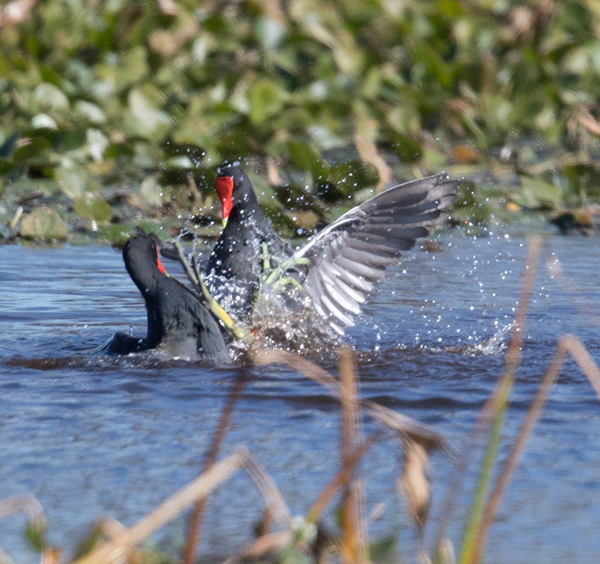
<point x="392" y="421"/>
<point x="353" y="543"/>
<point x="196" y="518"/>
<point x="263" y="547"/>
<point x="274" y="501"/>
<point x="567" y="344"/>
<point x="200" y="488"/>
<point x="351" y="538"/>
<point x="264" y="357"/>
<point x="341" y="478"/>
<point x="503" y="385"/>
<point x="51" y="556"/>
<point x="24" y="504"/>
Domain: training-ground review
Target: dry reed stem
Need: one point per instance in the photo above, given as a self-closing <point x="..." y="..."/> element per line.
<point x="406" y="428"/>
<point x="50" y="556"/>
<point x="264" y="357"/>
<point x="34" y="511"/>
<point x="111" y="527"/>
<point x="263" y="546"/>
<point x="484" y="418"/>
<point x="414" y="482"/>
<point x="24" y="504"/>
<point x="376" y="512"/>
<point x="350" y="511"/>
<point x="5" y="558"/>
<point x="567" y="344"/>
<point x="341" y="478"/>
<point x="388" y="419"/>
<point x="201" y="487"/>
<point x="196" y="518"/>
<point x="274" y="501"/>
<point x="353" y="545"/>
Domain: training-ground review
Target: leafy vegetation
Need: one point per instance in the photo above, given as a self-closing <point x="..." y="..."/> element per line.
<point x="113" y="105"/>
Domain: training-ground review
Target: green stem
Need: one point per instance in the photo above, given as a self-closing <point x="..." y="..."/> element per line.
<point x="474" y="521"/>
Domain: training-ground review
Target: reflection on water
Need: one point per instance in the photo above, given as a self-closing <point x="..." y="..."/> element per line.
<point x="91" y="435"/>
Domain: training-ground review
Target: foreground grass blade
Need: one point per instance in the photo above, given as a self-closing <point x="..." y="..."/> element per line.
<point x="201" y="487"/>
<point x="567" y="344"/>
<point x="500" y="402"/>
<point x="351" y="540"/>
<point x="195" y="526"/>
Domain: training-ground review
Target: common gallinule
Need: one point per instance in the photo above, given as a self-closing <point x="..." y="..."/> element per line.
<point x="178" y="320"/>
<point x="337" y="267"/>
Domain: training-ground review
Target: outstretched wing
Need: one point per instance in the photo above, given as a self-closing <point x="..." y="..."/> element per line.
<point x="347" y="258"/>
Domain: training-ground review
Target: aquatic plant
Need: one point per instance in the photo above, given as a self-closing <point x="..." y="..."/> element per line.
<point x="127" y="109"/>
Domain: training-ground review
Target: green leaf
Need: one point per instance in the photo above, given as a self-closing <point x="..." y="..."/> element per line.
<point x="143" y="118"/>
<point x="132" y="67"/>
<point x="408" y="149"/>
<point x="536" y="193"/>
<point x="43" y="121"/>
<point x="265" y="100"/>
<point x="70" y="140"/>
<point x="35" y="148"/>
<point x="11" y="172"/>
<point x="43" y="223"/>
<point x="115" y="235"/>
<point x="306" y="159"/>
<point x="49" y="97"/>
<point x="92" y="208"/>
<point x="36" y="536"/>
<point x="9" y="146"/>
<point x="71" y="182"/>
<point x="151" y="191"/>
<point x="90" y="112"/>
<point x="302" y="155"/>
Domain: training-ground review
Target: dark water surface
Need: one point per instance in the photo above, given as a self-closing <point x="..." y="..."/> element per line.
<point x="91" y="435"/>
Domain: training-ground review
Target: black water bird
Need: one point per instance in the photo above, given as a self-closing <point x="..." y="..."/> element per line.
<point x="337" y="267"/>
<point x="178" y="320"/>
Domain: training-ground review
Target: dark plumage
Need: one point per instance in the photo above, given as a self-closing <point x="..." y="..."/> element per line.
<point x="234" y="267"/>
<point x="339" y="266"/>
<point x="178" y="321"/>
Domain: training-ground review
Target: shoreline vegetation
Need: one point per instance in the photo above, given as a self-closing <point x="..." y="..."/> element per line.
<point x="286" y="539"/>
<point x="122" y="115"/>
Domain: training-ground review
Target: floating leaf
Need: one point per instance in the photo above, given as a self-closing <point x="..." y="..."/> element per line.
<point x="49" y="97"/>
<point x="33" y="148"/>
<point x="90" y="112"/>
<point x="143" y="118"/>
<point x="71" y="182"/>
<point x="70" y="140"/>
<point x="11" y="172"/>
<point x="408" y="149"/>
<point x="9" y="146"/>
<point x="132" y="67"/>
<point x="265" y="100"/>
<point x="43" y="121"/>
<point x="43" y="223"/>
<point x="151" y="191"/>
<point x="115" y="235"/>
<point x="536" y="193"/>
<point x="305" y="158"/>
<point x="92" y="208"/>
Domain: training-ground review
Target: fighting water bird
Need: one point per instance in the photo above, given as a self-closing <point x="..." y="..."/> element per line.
<point x="339" y="266"/>
<point x="178" y="319"/>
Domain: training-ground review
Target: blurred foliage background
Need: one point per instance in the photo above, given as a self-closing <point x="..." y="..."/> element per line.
<point x="118" y="111"/>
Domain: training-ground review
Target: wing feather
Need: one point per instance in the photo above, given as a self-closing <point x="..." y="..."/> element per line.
<point x="350" y="256"/>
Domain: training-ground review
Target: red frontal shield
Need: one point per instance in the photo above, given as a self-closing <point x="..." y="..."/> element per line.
<point x="224" y="186"/>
